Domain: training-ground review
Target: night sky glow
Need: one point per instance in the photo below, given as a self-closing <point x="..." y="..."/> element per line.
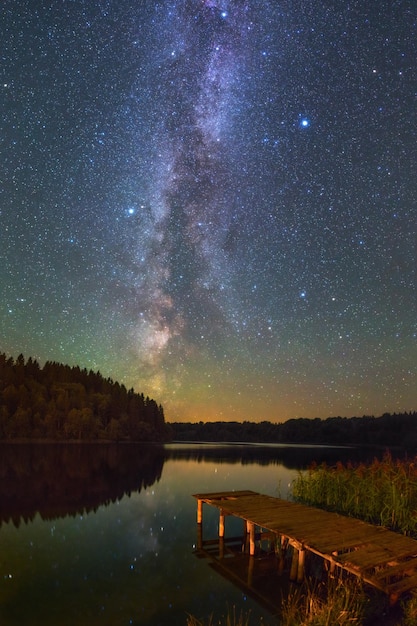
<point x="214" y="201"/>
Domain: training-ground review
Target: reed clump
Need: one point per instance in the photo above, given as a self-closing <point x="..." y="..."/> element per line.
<point x="383" y="492"/>
<point x="336" y="603"/>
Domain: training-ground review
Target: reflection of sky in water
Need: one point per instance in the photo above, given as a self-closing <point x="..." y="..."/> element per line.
<point x="131" y="562"/>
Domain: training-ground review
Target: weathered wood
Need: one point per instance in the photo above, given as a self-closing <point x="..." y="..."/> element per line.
<point x="301" y="561"/>
<point x="199" y="511"/>
<point x="251" y="538"/>
<point x="294" y="564"/>
<point x="378" y="556"/>
<point x="221" y="524"/>
<point x="199" y="536"/>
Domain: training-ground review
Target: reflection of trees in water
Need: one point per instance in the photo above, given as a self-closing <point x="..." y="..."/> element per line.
<point x="60" y="480"/>
<point x="56" y="480"/>
<point x="292" y="457"/>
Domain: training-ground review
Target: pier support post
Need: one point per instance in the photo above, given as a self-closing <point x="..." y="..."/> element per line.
<point x="294" y="564"/>
<point x="199" y="511"/>
<point x="332" y="568"/>
<point x="199" y="536"/>
<point x="251" y="529"/>
<point x="280" y="552"/>
<point x="301" y="561"/>
<point x="297" y="563"/>
<point x="221" y="547"/>
<point x="221" y="524"/>
<point x="245" y="538"/>
<point x="281" y="545"/>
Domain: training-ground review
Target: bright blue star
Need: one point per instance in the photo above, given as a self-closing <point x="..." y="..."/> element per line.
<point x="304" y="122"/>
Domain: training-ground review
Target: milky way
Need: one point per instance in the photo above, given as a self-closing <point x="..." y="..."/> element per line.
<point x="214" y="201"/>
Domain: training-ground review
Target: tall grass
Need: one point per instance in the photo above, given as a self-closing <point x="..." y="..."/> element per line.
<point x="384" y="492"/>
<point x="336" y="604"/>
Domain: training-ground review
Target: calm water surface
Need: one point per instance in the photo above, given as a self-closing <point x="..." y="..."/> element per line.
<point x="107" y="534"/>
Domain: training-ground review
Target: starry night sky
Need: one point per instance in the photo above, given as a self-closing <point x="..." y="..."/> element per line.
<point x="214" y="201"/>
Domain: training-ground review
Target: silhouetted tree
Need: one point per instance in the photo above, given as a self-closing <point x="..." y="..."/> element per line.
<point x="57" y="401"/>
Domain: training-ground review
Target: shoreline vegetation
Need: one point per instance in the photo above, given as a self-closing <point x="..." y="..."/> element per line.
<point x="388" y="430"/>
<point x="383" y="492"/>
<point x="337" y="604"/>
<point x="58" y="402"/>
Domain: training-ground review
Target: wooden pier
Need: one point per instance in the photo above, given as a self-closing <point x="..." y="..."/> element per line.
<point x="380" y="557"/>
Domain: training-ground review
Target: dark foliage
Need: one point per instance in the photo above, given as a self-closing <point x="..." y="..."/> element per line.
<point x="59" y="402"/>
<point x="397" y="429"/>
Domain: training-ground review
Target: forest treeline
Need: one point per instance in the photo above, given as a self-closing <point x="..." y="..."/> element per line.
<point x="60" y="402"/>
<point x="397" y="429"/>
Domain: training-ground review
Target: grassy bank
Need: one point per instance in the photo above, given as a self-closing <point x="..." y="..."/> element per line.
<point x="384" y="492"/>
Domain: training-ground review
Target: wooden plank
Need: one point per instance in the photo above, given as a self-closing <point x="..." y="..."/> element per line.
<point x="402" y="586"/>
<point x="405" y="567"/>
<point x="366" y="557"/>
<point x="218" y="495"/>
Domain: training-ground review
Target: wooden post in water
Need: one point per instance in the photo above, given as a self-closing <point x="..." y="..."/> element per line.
<point x="298" y="560"/>
<point x="245" y="538"/>
<point x="221" y="524"/>
<point x="221" y="547"/>
<point x="251" y="529"/>
<point x="280" y="553"/>
<point x="301" y="561"/>
<point x="332" y="567"/>
<point x="199" y="536"/>
<point x="294" y="563"/>
<point x="199" y="511"/>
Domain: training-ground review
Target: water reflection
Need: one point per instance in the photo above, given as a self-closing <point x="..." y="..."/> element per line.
<point x="290" y="456"/>
<point x="60" y="480"/>
<point x="110" y="533"/>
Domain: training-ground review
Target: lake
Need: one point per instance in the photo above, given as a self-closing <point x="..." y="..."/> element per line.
<point x="106" y="534"/>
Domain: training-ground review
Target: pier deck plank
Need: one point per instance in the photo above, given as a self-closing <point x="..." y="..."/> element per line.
<point x="382" y="558"/>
